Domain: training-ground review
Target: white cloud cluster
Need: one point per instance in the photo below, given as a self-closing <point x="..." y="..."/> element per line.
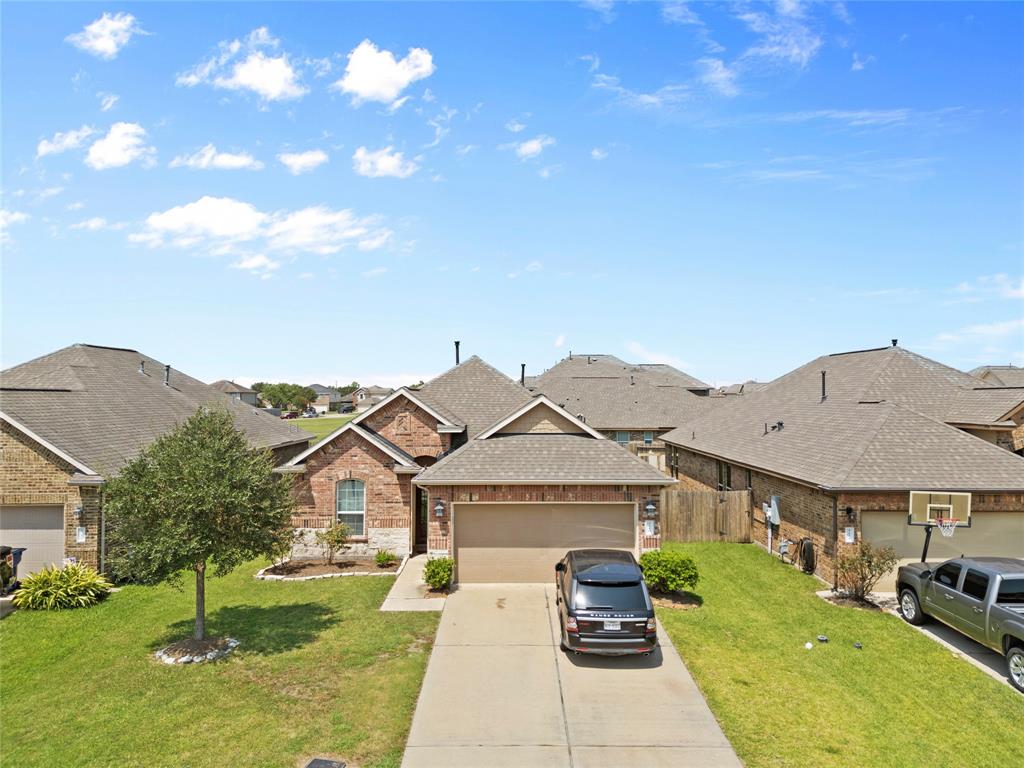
<point x="382" y="162"/>
<point x="62" y="142"/>
<point x="7" y="219"/>
<point x="107" y="100"/>
<point x="258" y="264"/>
<point x="644" y="355"/>
<point x="210" y="158"/>
<point x="784" y="35"/>
<point x="515" y="126"/>
<point x="718" y="76"/>
<point x="252" y="65"/>
<point x="597" y="153"/>
<point x="96" y="224"/>
<point x="224" y="225"/>
<point x="302" y="162"/>
<point x="667" y="96"/>
<point x="377" y="75"/>
<point x="531" y="148"/>
<point x="123" y="144"/>
<point x="106" y="36"/>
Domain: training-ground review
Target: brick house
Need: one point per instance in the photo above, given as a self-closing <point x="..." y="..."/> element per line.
<point x="474" y="466"/>
<point x="844" y="439"/>
<point x="72" y="418"/>
<point x="1004" y="376"/>
<point x="327" y="398"/>
<point x="367" y="397"/>
<point x="237" y="392"/>
<point x="632" y="404"/>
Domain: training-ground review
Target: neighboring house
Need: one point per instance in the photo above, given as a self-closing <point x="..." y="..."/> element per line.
<point x="630" y="404"/>
<point x="72" y="418"/>
<point x="327" y="398"/>
<point x="1004" y="376"/>
<point x="843" y="440"/>
<point x="739" y="389"/>
<point x="473" y="466"/>
<point x="367" y="397"/>
<point x="237" y="392"/>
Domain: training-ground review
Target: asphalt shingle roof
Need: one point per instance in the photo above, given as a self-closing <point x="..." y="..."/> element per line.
<point x="541" y="459"/>
<point x="228" y="387"/>
<point x="473" y="394"/>
<point x="609" y="365"/>
<point x="94" y="404"/>
<point x="1001" y="375"/>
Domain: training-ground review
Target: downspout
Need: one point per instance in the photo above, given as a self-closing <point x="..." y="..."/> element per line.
<point x="103" y="534"/>
<point x="835" y="543"/>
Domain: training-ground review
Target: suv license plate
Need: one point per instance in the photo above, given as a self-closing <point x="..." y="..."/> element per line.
<point x="612" y="626"/>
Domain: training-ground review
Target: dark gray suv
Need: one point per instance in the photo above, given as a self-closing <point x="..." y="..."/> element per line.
<point x="603" y="604"/>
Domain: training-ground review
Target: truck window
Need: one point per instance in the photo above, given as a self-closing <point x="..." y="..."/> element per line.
<point x="975" y="584"/>
<point x="948" y="574"/>
<point x="1011" y="592"/>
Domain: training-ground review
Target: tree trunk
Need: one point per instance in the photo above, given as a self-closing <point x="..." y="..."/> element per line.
<point x="200" y="631"/>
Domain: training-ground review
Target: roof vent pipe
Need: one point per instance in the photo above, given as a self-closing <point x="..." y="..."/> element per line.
<point x="456" y="353"/>
<point x="631" y="382"/>
<point x="823" y="394"/>
<point x="522" y="374"/>
<point x="894" y="342"/>
<point x="142" y="367"/>
<point x="167" y="375"/>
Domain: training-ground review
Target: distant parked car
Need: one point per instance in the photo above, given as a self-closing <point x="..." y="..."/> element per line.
<point x="982" y="597"/>
<point x="603" y="603"/>
<point x="347" y="408"/>
<point x="290" y="415"/>
<point x="309" y="414"/>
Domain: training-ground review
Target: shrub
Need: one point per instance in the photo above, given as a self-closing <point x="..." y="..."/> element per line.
<point x="333" y="540"/>
<point x="438" y="572"/>
<point x="54" y="589"/>
<point x="668" y="571"/>
<point x="859" y="571"/>
<point x="385" y="558"/>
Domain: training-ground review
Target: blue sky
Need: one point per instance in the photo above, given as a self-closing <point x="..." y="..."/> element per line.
<point x="326" y="192"/>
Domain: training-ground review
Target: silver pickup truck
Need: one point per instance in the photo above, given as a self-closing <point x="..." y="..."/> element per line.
<point x="982" y="597"/>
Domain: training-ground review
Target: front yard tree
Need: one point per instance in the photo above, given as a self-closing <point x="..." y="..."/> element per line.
<point x="199" y="496"/>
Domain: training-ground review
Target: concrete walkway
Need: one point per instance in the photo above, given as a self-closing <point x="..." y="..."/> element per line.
<point x="499" y="692"/>
<point x="409" y="592"/>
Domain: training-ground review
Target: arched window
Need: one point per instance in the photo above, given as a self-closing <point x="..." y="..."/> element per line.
<point x="351" y="505"/>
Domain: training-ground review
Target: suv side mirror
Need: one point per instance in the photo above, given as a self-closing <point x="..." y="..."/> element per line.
<point x="559" y="567"/>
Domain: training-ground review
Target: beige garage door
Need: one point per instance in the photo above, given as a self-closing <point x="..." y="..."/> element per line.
<point x="992" y="534"/>
<point x="39" y="529"/>
<point x="522" y="542"/>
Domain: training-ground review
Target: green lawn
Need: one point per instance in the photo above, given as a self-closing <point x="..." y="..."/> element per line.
<point x="322" y="426"/>
<point x="901" y="701"/>
<point x="320" y="670"/>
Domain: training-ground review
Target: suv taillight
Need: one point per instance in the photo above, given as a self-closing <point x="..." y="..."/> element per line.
<point x="571" y="626"/>
<point x="652" y="626"/>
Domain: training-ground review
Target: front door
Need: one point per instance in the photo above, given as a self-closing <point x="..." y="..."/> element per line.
<point x="422" y="518"/>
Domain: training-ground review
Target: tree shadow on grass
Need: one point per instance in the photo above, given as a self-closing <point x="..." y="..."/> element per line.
<point x="260" y="629"/>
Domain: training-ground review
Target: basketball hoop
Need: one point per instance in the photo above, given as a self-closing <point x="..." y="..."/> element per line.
<point x="946" y="525"/>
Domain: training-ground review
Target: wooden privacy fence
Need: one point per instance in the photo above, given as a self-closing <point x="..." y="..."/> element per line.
<point x="706" y="516"/>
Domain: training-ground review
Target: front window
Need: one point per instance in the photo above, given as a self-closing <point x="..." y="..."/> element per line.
<point x="948" y="575"/>
<point x="622" y="438"/>
<point x="351" y="505"/>
<point x="648" y="438"/>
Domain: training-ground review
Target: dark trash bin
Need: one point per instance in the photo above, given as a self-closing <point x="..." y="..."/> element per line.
<point x="10" y="559"/>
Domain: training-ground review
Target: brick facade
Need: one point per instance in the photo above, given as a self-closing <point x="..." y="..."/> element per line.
<point x="409" y="427"/>
<point x="439" y="539"/>
<point x="32" y="475"/>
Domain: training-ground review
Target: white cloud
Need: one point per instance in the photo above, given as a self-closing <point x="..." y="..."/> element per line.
<point x="525" y="150"/>
<point x="464" y="149"/>
<point x="375" y="75"/>
<point x="515" y="126"/>
<point x="428" y="96"/>
<point x="258" y="264"/>
<point x="208" y="157"/>
<point x="534" y="266"/>
<point x="375" y="272"/>
<point x="784" y="36"/>
<point x="604" y="8"/>
<point x="246" y="65"/>
<point x="106" y="36"/>
<point x="75" y="206"/>
<point x="550" y="170"/>
<point x="598" y="154"/>
<point x="718" y="76"/>
<point x="983" y="331"/>
<point x="8" y="219"/>
<point x="593" y="61"/>
<point x="1002" y="284"/>
<point x="223" y="225"/>
<point x="859" y="63"/>
<point x="645" y="355"/>
<point x="666" y="96"/>
<point x="97" y="223"/>
<point x="441" y="123"/>
<point x="62" y="142"/>
<point x="382" y="162"/>
<point x="46" y="193"/>
<point x="559" y="341"/>
<point x="679" y="12"/>
<point x="123" y="144"/>
<point x="302" y="162"/>
<point x="107" y="100"/>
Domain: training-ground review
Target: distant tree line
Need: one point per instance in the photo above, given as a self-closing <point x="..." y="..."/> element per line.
<point x="285" y="395"/>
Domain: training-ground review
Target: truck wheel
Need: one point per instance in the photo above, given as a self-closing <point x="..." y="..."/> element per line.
<point x="911" y="608"/>
<point x="1015" y="665"/>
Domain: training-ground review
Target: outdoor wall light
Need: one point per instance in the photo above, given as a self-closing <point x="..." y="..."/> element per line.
<point x="439" y="508"/>
<point x="650" y="509"/>
<point x="78" y="512"/>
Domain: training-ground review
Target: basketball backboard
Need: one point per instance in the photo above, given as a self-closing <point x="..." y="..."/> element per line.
<point x="927" y="507"/>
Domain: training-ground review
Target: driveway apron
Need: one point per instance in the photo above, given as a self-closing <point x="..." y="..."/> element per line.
<point x="499" y="692"/>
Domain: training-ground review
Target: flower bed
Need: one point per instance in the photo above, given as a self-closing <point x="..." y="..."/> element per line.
<point x="308" y="570"/>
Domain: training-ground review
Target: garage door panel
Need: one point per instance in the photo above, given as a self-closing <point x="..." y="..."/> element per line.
<point x="992" y="534"/>
<point x="39" y="529"/>
<point x="522" y="542"/>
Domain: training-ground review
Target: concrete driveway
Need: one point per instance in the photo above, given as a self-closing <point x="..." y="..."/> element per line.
<point x="500" y="693"/>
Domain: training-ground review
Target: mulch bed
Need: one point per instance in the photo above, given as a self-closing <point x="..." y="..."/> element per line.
<point x="680" y="601"/>
<point x="851" y="602"/>
<point x="300" y="568"/>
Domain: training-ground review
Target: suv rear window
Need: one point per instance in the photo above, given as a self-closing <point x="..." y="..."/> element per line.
<point x="611" y="597"/>
<point x="1011" y="592"/>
